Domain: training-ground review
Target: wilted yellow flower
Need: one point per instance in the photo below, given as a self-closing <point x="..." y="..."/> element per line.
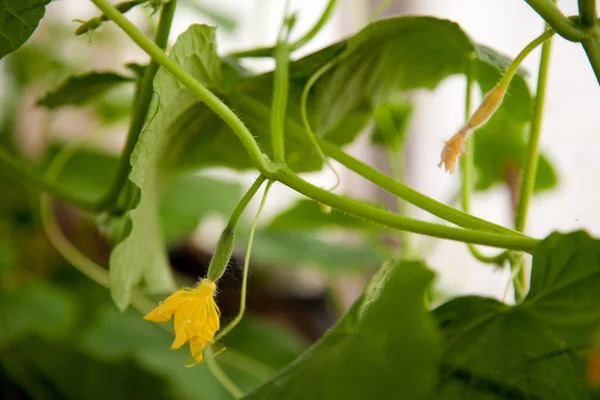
<point x="196" y="316"/>
<point x="454" y="148"/>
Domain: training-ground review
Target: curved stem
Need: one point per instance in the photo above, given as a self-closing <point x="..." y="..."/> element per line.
<point x="514" y="65"/>
<point x="187" y="80"/>
<point x="392" y="220"/>
<point x="222" y="377"/>
<point x="379" y="9"/>
<point x="558" y="21"/>
<point x="534" y="137"/>
<point x="15" y="170"/>
<point x="308" y="36"/>
<point x="304" y="115"/>
<point x="143" y="98"/>
<point x="242" y="310"/>
<point x="316" y="27"/>
<point x="412" y="196"/>
<point x="467" y="178"/>
<point x="239" y="209"/>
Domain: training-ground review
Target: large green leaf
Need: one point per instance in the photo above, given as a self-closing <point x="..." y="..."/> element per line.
<point x="397" y="54"/>
<point x="391" y="123"/>
<point x="385" y="347"/>
<point x="42" y="367"/>
<point x="115" y="337"/>
<point x="537" y="349"/>
<point x="293" y="248"/>
<point x="141" y="256"/>
<point x="79" y="89"/>
<point x="190" y="198"/>
<point x="18" y="20"/>
<point x="500" y="146"/>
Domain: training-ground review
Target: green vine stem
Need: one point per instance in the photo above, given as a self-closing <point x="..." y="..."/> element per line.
<point x="280" y="91"/>
<point x="292" y="180"/>
<point x="564" y="26"/>
<point x="587" y="11"/>
<point x="395" y="221"/>
<point x="384" y="181"/>
<point x="143" y="98"/>
<point x="592" y="49"/>
<point x="219" y="262"/>
<point x="222" y="333"/>
<point x="514" y="65"/>
<point x="304" y="115"/>
<point x="205" y="95"/>
<point x="223" y="378"/>
<point x="410" y="195"/>
<point x="269" y="51"/>
<point x="531" y="162"/>
<point x="467" y="178"/>
<point x="534" y="137"/>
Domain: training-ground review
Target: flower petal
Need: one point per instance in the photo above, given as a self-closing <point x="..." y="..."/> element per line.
<point x="167" y="308"/>
<point x="196" y="347"/>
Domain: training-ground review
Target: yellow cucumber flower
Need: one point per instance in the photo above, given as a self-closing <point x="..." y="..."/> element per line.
<point x="196" y="316"/>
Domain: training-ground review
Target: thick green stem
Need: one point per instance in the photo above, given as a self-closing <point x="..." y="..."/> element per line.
<point x="269" y="51"/>
<point x="534" y="137"/>
<point x="395" y="221"/>
<point x="592" y="49"/>
<point x="187" y="80"/>
<point x="141" y="105"/>
<point x="587" y="12"/>
<point x="558" y="21"/>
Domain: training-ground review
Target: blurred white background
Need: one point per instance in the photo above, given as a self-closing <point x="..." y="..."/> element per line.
<point x="568" y="132"/>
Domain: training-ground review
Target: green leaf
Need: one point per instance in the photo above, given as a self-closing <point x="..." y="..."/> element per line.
<point x="500" y="146"/>
<point x="255" y="351"/>
<point x="79" y="89"/>
<point x="299" y="249"/>
<point x="537" y="349"/>
<point x="190" y="198"/>
<point x="88" y="172"/>
<point x="62" y="369"/>
<point x="386" y="346"/>
<point x="114" y="337"/>
<point x="37" y="309"/>
<point x="141" y="256"/>
<point x="18" y="20"/>
<point x="391" y="123"/>
<point x="386" y="58"/>
<point x="307" y="214"/>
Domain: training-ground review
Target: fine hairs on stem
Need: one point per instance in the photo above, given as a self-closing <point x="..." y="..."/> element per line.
<point x="242" y="310"/>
